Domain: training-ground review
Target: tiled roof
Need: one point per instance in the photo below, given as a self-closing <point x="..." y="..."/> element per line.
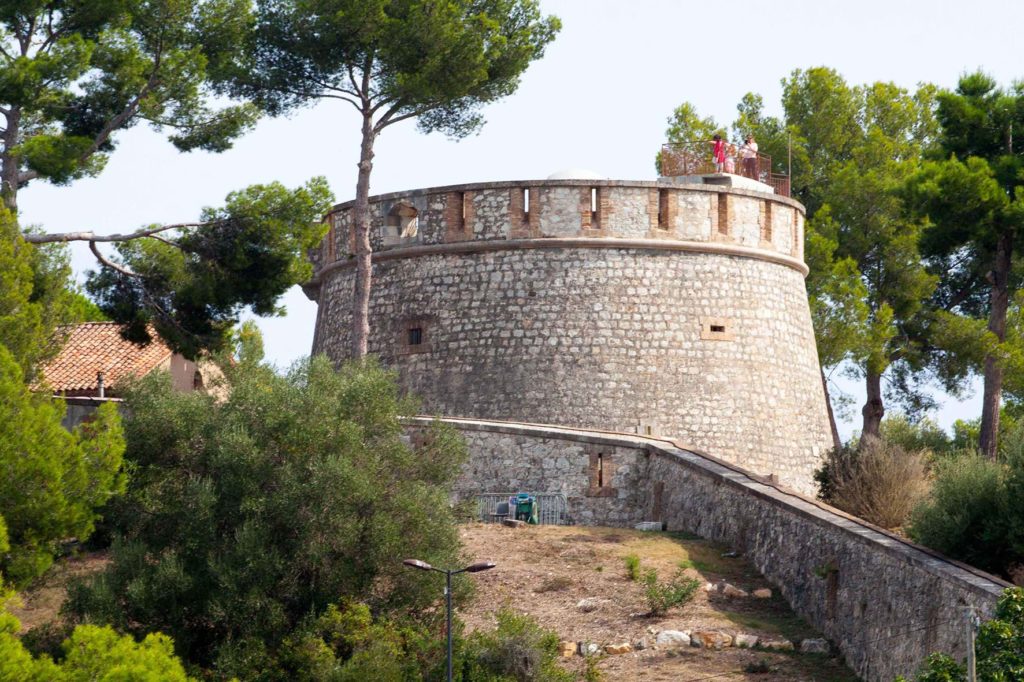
<point x="98" y="347"/>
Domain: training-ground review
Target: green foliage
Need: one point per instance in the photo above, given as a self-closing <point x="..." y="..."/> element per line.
<point x="72" y="74"/>
<point x="971" y="196"/>
<point x="91" y="653"/>
<point x="438" y="63"/>
<point x="632" y="562"/>
<point x="519" y="650"/>
<point x="54" y="480"/>
<point x="923" y="435"/>
<point x="247" y="517"/>
<point x="965" y="516"/>
<point x="245" y="255"/>
<point x="999" y="647"/>
<point x="663" y="596"/>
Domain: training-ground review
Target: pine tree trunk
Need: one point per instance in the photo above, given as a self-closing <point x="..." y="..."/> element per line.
<point x="836" y="442"/>
<point x="364" y="254"/>
<point x="988" y="438"/>
<point x="874" y="406"/>
<point x="9" y="164"/>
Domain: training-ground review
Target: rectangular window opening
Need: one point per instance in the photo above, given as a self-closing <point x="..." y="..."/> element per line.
<point x="464" y="201"/>
<point x="526" y="201"/>
<point x="718" y="328"/>
<point x="648" y="430"/>
<point x="593" y="200"/>
<point x="662" y="209"/>
<point x="415" y="336"/>
<point x="600" y="470"/>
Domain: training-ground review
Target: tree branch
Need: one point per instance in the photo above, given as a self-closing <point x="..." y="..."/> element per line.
<point x="109" y="263"/>
<point x="65" y="237"/>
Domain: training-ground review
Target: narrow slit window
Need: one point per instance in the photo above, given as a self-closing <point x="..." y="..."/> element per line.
<point x="648" y="430"/>
<point x="415" y="336"/>
<point x="593" y="200"/>
<point x="526" y="201"/>
<point x="662" y="209"/>
<point x="463" y="201"/>
<point x="600" y="470"/>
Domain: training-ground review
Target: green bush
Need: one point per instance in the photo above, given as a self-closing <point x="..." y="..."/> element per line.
<point x="249" y="516"/>
<point x="965" y="515"/>
<point x="518" y="650"/>
<point x="663" y="596"/>
<point x="632" y="562"/>
<point x="999" y="647"/>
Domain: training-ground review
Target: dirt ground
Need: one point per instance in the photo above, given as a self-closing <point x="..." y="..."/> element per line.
<point x="41" y="603"/>
<point x="546" y="570"/>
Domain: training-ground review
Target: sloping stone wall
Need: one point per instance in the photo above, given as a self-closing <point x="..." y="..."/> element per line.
<point x="885" y="602"/>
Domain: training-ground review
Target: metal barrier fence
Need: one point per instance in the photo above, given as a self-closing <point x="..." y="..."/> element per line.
<point x="553" y="508"/>
<point x="695" y="158"/>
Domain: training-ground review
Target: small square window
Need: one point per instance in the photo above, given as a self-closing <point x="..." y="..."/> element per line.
<point x="415" y="336"/>
<point x="716" y="329"/>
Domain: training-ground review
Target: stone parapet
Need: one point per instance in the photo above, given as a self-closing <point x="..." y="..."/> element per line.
<point x="604" y="209"/>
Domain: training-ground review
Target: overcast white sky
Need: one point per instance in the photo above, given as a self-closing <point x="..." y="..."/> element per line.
<point x="598" y="100"/>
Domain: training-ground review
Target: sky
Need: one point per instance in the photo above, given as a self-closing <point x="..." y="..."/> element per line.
<point x="599" y="99"/>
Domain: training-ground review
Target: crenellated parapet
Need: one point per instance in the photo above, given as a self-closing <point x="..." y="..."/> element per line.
<point x="589" y="213"/>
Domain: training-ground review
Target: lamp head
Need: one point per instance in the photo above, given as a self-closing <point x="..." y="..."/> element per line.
<point x="416" y="563"/>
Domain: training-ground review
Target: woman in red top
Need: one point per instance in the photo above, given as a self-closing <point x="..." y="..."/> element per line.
<point x="718" y="152"/>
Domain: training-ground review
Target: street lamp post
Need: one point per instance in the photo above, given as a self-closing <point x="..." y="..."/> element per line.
<point x="448" y="573"/>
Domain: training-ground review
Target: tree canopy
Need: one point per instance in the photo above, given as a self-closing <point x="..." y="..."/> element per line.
<point x="391" y="60"/>
<point x="72" y="74"/>
<point x="972" y="197"/>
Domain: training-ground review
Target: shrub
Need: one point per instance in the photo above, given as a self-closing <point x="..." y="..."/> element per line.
<point x="632" y="562"/>
<point x="518" y="650"/>
<point x="877" y="481"/>
<point x="248" y="516"/>
<point x="663" y="596"/>
<point x="964" y="516"/>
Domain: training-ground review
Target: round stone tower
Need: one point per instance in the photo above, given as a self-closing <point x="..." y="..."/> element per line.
<point x="661" y="308"/>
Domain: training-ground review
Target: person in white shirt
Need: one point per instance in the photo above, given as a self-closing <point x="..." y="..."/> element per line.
<point x="749" y="151"/>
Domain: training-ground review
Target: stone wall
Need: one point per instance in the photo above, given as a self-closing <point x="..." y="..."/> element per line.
<point x="885" y="602"/>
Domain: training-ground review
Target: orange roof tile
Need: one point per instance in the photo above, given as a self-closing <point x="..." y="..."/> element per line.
<point x="98" y="347"/>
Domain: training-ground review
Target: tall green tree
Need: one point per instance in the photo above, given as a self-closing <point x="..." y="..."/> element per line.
<point x="391" y="60"/>
<point x="72" y="74"/>
<point x="973" y="200"/>
<point x="53" y="480"/>
<point x="852" y="147"/>
<point x="248" y="516"/>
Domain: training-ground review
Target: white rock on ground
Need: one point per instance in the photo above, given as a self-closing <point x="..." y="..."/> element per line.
<point x="746" y="641"/>
<point x="672" y="638"/>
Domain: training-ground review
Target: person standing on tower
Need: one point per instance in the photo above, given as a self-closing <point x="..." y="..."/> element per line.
<point x="718" y="152"/>
<point x="749" y="150"/>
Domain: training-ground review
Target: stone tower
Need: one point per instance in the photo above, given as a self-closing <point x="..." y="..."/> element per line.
<point x="672" y="309"/>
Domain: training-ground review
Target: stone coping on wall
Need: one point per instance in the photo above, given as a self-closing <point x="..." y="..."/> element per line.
<point x="761" y="487"/>
<point x="511" y="184"/>
<point x="488" y="246"/>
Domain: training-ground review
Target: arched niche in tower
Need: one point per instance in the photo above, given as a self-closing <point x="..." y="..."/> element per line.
<point x="401" y="225"/>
